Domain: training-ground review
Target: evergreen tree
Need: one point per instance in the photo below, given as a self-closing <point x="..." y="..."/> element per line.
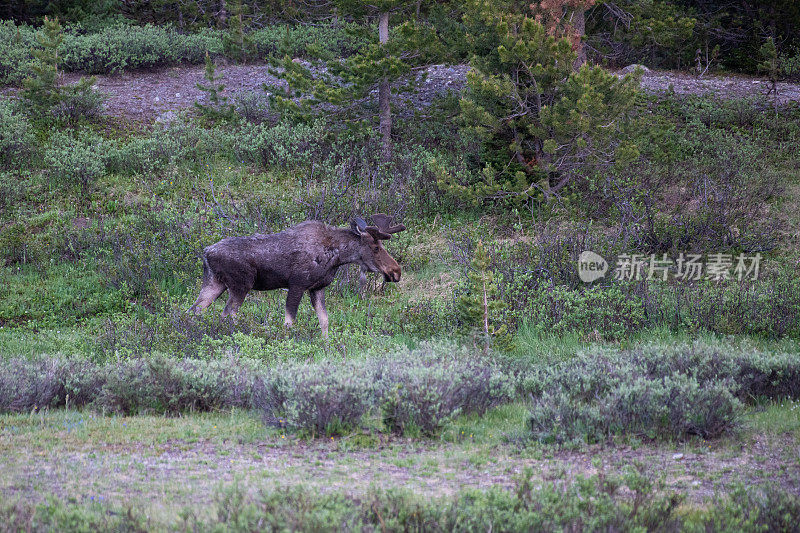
<point x="541" y="124"/>
<point x="393" y="52"/>
<point x="42" y="90"/>
<point x="218" y="107"/>
<point x="479" y="307"/>
<point x="237" y="43"/>
<point x="565" y="19"/>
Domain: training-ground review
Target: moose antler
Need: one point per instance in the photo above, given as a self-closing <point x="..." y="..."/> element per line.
<point x="383" y="224"/>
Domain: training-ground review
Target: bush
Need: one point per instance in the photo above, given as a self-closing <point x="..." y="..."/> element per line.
<point x="17" y="141"/>
<point x="149" y="252"/>
<point x="587" y="504"/>
<point x="655" y="392"/>
<point x="671" y="408"/>
<point x="164" y="385"/>
<point x="123" y="47"/>
<point x="765" y="508"/>
<point x="416" y="392"/>
<point x="630" y="502"/>
<point x="607" y="312"/>
<point x="321" y="399"/>
<point x="76" y="104"/>
<point x="16" y="59"/>
<point x="76" y="162"/>
<point x="156" y="384"/>
<point x="427" y="388"/>
<point x="27" y="385"/>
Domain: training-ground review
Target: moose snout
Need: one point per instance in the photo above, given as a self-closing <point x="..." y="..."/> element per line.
<point x="393" y="275"/>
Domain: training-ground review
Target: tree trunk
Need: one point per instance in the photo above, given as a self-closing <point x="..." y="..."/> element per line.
<point x="384" y="104"/>
<point x="222" y="17"/>
<point x="579" y="27"/>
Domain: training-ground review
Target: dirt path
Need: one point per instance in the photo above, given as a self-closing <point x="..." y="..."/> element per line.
<point x="145" y="96"/>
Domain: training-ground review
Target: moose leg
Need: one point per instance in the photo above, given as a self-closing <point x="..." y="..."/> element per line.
<point x="210" y="291"/>
<point x="318" y="301"/>
<point x="292" y="303"/>
<point x="235" y="300"/>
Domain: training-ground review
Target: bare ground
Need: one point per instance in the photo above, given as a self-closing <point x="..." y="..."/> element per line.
<point x="144" y="96"/>
<point x="164" y="475"/>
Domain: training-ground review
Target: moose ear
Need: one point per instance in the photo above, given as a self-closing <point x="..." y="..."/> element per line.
<point x="357" y="225"/>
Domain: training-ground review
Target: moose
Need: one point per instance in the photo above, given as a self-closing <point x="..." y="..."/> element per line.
<point x="302" y="258"/>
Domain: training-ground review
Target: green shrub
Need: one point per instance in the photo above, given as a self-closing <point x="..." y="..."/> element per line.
<point x="17" y="141"/>
<point x="628" y="503"/>
<point x="672" y="407"/>
<point x="123" y="47"/>
<point x="29" y="385"/>
<point x="769" y="307"/>
<point x="322" y="399"/>
<point x="163" y="385"/>
<point x="74" y="295"/>
<point x="16" y="60"/>
<point x="149" y="252"/>
<point x="323" y="41"/>
<point x="76" y="103"/>
<point x="598" y="503"/>
<point x="427" y="388"/>
<point x="655" y="391"/>
<point x="156" y="384"/>
<point x="416" y="392"/>
<point x="76" y="162"/>
<point x="759" y="508"/>
<point x="607" y="312"/>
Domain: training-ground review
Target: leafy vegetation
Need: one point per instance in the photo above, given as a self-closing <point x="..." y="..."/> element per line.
<point x="492" y="344"/>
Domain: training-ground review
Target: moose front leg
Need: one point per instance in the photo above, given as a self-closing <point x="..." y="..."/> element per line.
<point x="292" y="303"/>
<point x="318" y="301"/>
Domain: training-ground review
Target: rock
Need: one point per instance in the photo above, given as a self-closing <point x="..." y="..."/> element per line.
<point x="677" y="456"/>
<point x="167" y="118"/>
<point x="631" y="68"/>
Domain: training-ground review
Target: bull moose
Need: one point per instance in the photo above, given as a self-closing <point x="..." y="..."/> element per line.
<point x="302" y="258"/>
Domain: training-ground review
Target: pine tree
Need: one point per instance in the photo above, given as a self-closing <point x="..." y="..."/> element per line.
<point x="218" y="107"/>
<point x="479" y="307"/>
<point x="42" y="90"/>
<point x="541" y="123"/>
<point x="237" y="43"/>
<point x="565" y="19"/>
<point x="393" y="52"/>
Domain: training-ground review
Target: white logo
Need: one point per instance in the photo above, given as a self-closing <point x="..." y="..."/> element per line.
<point x="591" y="266"/>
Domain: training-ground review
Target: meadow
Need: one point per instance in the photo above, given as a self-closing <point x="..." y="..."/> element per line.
<point x="622" y="404"/>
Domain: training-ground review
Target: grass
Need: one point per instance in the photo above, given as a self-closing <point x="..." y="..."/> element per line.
<point x="162" y="465"/>
<point x="779" y="418"/>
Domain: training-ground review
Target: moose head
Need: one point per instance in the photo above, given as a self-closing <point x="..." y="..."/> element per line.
<point x="374" y="257"/>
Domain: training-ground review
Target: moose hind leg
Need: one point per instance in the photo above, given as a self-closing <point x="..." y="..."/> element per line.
<point x="292" y="303"/>
<point x="210" y="291"/>
<point x="318" y="301"/>
<point x="235" y="300"/>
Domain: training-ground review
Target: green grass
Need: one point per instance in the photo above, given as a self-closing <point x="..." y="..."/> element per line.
<point x="493" y="428"/>
<point x="69" y="429"/>
<point x="776" y="418"/>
